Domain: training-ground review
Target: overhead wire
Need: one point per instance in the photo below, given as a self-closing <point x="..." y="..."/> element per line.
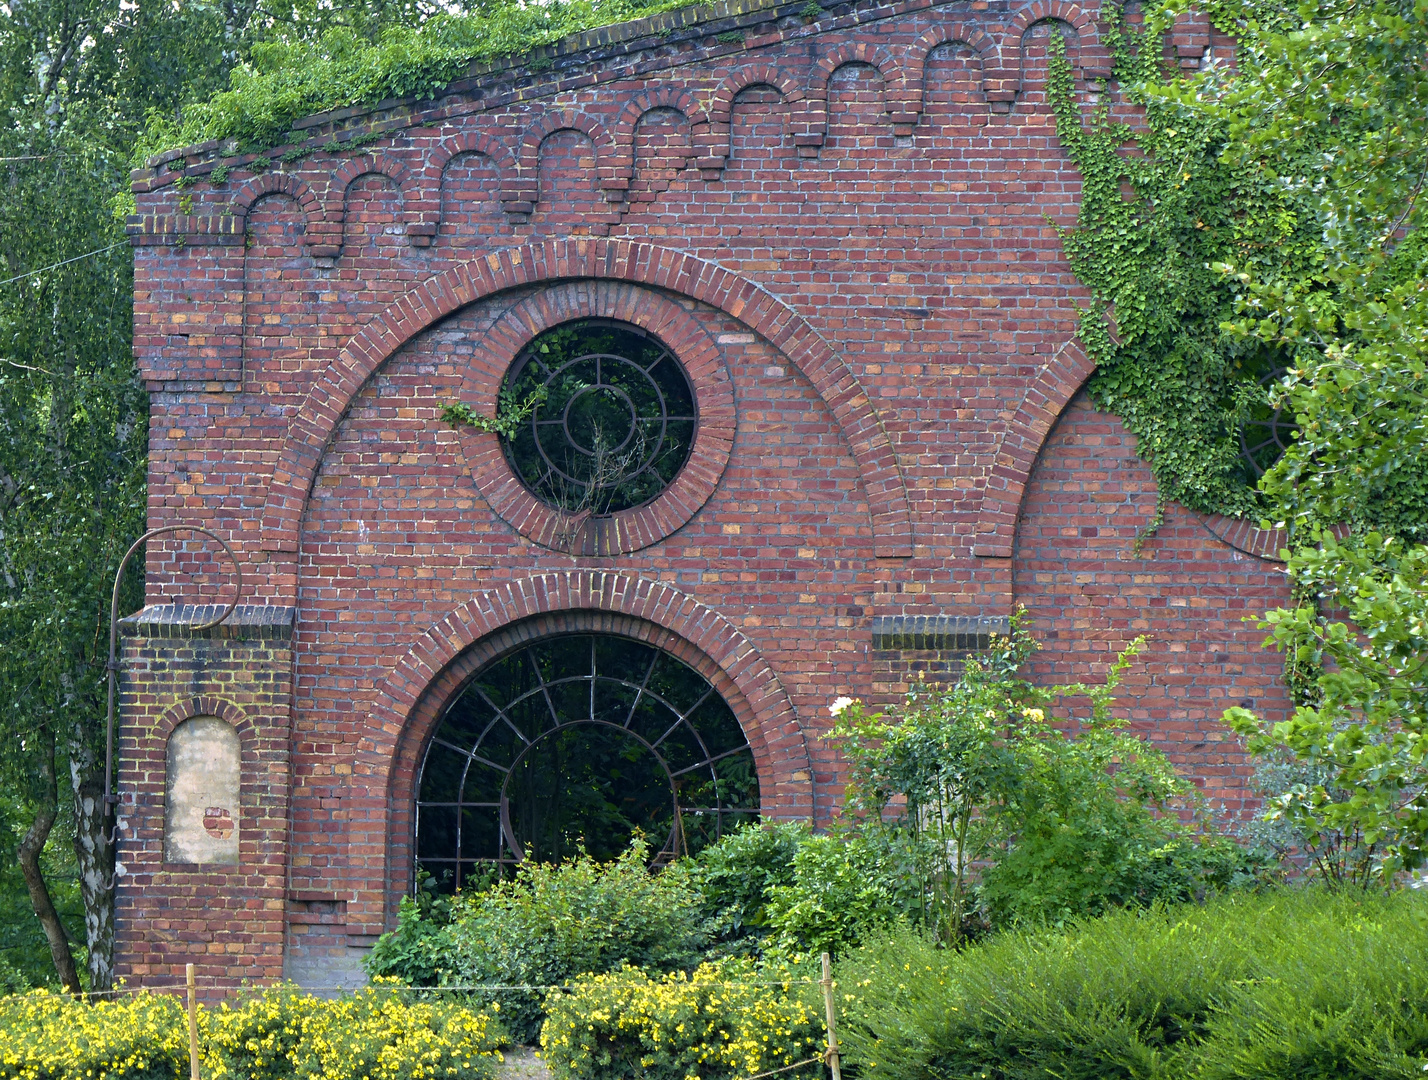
<point x="65" y="262"/>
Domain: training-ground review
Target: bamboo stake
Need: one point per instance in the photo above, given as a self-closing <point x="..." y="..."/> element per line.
<point x="193" y="1024"/>
<point x="832" y="1054"/>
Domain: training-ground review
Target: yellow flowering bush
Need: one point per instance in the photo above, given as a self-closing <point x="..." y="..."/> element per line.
<point x="278" y="1034"/>
<point x="728" y="1019"/>
<point x="50" y="1036"/>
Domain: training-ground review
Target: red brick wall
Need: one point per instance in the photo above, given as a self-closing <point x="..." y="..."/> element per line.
<point x="844" y="224"/>
<point x="1089" y="594"/>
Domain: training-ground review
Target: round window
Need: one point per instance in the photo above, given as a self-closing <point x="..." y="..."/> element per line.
<point x="614" y="420"/>
<point x="579" y="742"/>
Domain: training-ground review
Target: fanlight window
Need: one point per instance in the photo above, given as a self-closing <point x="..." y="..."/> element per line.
<point x="616" y="424"/>
<point x="580" y="741"/>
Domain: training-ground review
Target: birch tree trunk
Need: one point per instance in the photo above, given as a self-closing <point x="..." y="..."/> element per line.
<point x="94" y="852"/>
<point x="28" y="856"/>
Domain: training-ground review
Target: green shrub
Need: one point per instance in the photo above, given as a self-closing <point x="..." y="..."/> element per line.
<point x="279" y="1034"/>
<point x="1283" y="984"/>
<point x="417" y="951"/>
<point x="556" y="921"/>
<point x="1009" y="814"/>
<point x="846" y="885"/>
<point x="735" y="875"/>
<point x="733" y="1018"/>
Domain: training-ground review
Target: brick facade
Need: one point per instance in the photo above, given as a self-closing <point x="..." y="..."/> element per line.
<point x="841" y="228"/>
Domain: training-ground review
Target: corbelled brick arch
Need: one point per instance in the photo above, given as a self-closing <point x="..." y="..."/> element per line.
<point x="419" y="215"/>
<point x="556" y="260"/>
<point x="681" y="101"/>
<point x="915" y="59"/>
<point x="470" y="142"/>
<point x="714" y="146"/>
<point x="409" y="701"/>
<point x="276" y="183"/>
<point x="1003" y="84"/>
<point x="815" y="104"/>
<point x="525" y="186"/>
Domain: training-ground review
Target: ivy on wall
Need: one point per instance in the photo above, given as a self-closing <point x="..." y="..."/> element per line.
<point x="1161" y="206"/>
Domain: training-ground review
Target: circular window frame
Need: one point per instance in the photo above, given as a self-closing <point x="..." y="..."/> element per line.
<point x="696" y="351"/>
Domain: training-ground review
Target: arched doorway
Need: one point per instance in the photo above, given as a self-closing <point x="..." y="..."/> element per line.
<point x="579" y="740"/>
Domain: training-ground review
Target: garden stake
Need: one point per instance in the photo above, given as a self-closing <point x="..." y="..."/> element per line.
<point x="193" y="1024"/>
<point x="832" y="1054"/>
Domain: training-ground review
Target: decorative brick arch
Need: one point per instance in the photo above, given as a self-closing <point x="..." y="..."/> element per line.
<point x="524" y="187"/>
<point x="815" y="105"/>
<point x="714" y="149"/>
<point x="915" y="59"/>
<point x="681" y="101"/>
<point x="204" y="705"/>
<point x="467" y="142"/>
<point x="316" y="224"/>
<point x="697" y="352"/>
<point x="409" y="701"/>
<point x="420" y="214"/>
<point x="1003" y="83"/>
<point x="1040" y="408"/>
<point x="333" y="391"/>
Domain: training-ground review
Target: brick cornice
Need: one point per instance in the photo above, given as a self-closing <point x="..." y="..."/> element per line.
<point x="335" y="388"/>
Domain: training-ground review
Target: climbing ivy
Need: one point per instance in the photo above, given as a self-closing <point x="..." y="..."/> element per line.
<point x="1161" y="207"/>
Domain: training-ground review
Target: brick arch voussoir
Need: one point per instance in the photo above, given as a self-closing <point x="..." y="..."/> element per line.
<point x="626" y="124"/>
<point x="771" y="724"/>
<point x="525" y="185"/>
<point x="315" y="220"/>
<point x="714" y="145"/>
<point x="206" y="705"/>
<point x="915" y="59"/>
<point x="1042" y="406"/>
<point x="410" y="702"/>
<point x="553" y="260"/>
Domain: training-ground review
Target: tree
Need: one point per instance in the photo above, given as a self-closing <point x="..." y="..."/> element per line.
<point x="1331" y="100"/>
<point x="79" y="82"/>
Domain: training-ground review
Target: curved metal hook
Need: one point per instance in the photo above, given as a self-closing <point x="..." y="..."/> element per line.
<point x="110" y="799"/>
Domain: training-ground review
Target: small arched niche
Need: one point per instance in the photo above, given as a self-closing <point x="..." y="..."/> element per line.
<point x="201" y="800"/>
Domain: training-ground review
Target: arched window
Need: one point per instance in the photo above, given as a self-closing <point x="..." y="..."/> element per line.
<point x="579" y="741"/>
<point x="201" y="792"/>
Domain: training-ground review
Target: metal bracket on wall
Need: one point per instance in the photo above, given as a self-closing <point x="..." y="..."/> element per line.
<point x="110" y="798"/>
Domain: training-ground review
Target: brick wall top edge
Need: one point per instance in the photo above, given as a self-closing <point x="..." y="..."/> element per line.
<point x="628" y="39"/>
<point x="941" y="624"/>
<point x="247" y="621"/>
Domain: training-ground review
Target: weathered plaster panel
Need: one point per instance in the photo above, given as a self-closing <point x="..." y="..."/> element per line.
<point x="201" y="806"/>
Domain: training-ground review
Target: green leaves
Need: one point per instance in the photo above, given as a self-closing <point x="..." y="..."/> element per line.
<point x="1016" y="814"/>
<point x="296" y="76"/>
<point x="1160" y="206"/>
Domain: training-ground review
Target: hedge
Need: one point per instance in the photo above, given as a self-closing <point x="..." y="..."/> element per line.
<point x="1288" y="984"/>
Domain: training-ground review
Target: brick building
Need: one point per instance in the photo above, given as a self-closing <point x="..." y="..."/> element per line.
<point x="832" y="242"/>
